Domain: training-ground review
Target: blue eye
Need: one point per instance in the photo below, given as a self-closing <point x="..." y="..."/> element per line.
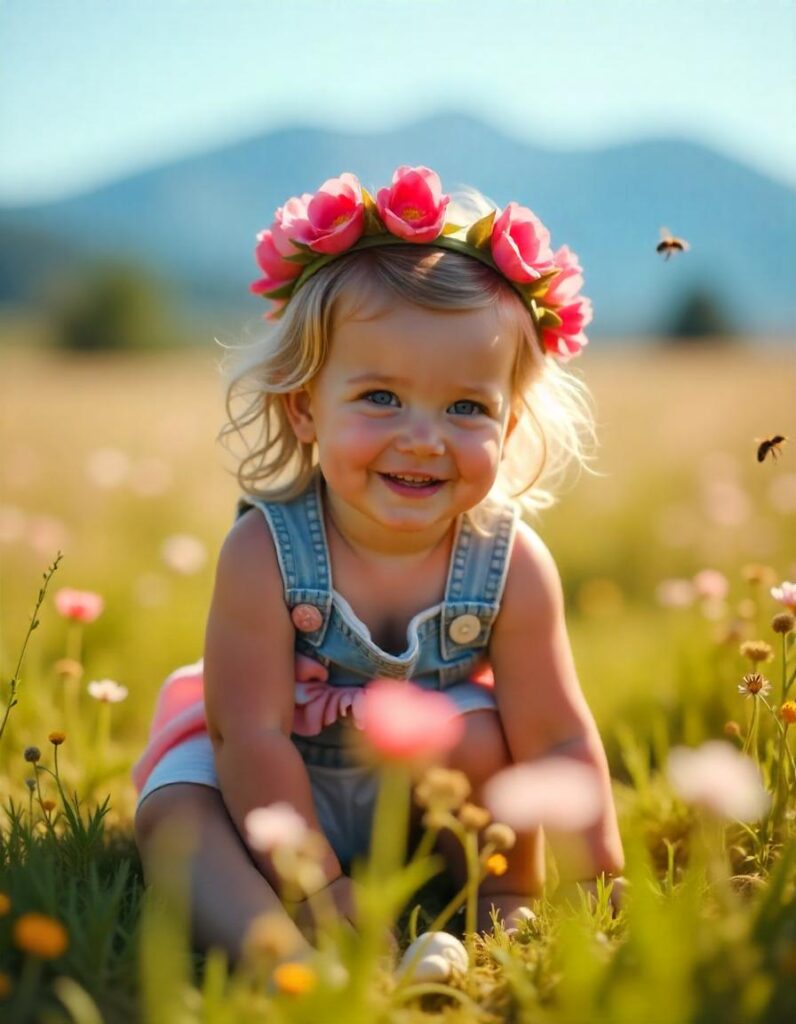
<point x="470" y="407"/>
<point x="380" y="397"/>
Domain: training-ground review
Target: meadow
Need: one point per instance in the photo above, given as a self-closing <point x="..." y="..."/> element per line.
<point x="668" y="553"/>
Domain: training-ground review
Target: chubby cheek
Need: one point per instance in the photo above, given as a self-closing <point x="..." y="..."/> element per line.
<point x="479" y="459"/>
<point x="352" y="447"/>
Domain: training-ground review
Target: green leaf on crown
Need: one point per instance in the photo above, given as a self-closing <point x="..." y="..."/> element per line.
<point x="373" y="222"/>
<point x="536" y="289"/>
<point x="480" y="233"/>
<point x="282" y="292"/>
<point x="546" y="317"/>
<point x="303" y="258"/>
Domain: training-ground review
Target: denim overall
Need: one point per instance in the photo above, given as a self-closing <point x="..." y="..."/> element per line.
<point x="446" y="645"/>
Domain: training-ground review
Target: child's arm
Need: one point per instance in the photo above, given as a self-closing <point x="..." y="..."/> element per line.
<point x="248" y="678"/>
<point x="542" y="708"/>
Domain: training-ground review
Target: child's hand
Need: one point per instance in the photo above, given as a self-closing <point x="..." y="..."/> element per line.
<point x="339" y="893"/>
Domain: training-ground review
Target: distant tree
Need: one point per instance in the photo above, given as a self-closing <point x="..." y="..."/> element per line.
<point x="112" y="307"/>
<point x="700" y="314"/>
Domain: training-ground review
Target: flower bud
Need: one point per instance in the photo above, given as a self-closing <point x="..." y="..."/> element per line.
<point x="474" y="817"/>
<point x="32" y="754"/>
<point x="501" y="836"/>
<point x="783" y="623"/>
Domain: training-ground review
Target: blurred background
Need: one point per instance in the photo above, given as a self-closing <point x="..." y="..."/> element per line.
<point x="142" y="146"/>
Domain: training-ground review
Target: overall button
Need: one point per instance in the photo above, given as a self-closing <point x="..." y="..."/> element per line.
<point x="306" y="617"/>
<point x="464" y="628"/>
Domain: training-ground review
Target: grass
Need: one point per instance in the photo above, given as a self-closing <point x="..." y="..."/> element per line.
<point x="106" y="459"/>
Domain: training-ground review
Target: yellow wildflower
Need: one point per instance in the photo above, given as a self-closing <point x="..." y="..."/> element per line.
<point x="57" y="737"/>
<point x="294" y="978"/>
<point x="788" y="712"/>
<point x="40" y="935"/>
<point x="48" y="805"/>
<point x="5" y="985"/>
<point x="496" y="864"/>
<point x="5" y="904"/>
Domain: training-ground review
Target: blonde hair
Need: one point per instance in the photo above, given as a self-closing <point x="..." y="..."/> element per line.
<point x="555" y="419"/>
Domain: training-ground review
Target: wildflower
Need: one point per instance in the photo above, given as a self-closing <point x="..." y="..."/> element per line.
<point x="436" y="819"/>
<point x="278" y="825"/>
<point x="753" y="684"/>
<point x="675" y="593"/>
<point x="758" y="575"/>
<point x="785" y="593"/>
<point x="32" y="754"/>
<point x="711" y="584"/>
<point x="496" y="864"/>
<point x="756" y="650"/>
<point x="474" y="817"/>
<point x="183" y="553"/>
<point x="443" y="789"/>
<point x="41" y="936"/>
<point x="719" y="779"/>
<point x="107" y="690"/>
<point x="6" y="985"/>
<point x="788" y="712"/>
<point x="68" y="668"/>
<point x="57" y="737"/>
<point x="783" y="623"/>
<point x="554" y="791"/>
<point x="401" y="722"/>
<point x="78" y="605"/>
<point x="31" y="784"/>
<point x="5" y="904"/>
<point x="732" y="729"/>
<point x="501" y="836"/>
<point x="48" y="805"/>
<point x="294" y="978"/>
<point x="271" y="936"/>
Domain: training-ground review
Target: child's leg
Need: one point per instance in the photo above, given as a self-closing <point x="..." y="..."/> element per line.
<point x="226" y="890"/>
<point x="481" y="753"/>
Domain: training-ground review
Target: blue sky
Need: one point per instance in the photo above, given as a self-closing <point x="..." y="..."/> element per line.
<point x="93" y="89"/>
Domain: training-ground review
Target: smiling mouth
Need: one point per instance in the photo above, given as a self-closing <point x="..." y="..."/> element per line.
<point x="412" y="479"/>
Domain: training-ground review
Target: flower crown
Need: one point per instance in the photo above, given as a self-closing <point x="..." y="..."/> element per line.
<point x="312" y="230"/>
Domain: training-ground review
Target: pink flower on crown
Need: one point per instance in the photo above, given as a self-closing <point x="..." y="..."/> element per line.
<point x="521" y="244"/>
<point x="273" y="245"/>
<point x="413" y="208"/>
<point x="565" y="286"/>
<point x="333" y="219"/>
<point x="568" y="339"/>
<point x="575" y="310"/>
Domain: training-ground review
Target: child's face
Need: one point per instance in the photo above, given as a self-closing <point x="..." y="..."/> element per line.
<point x="413" y="392"/>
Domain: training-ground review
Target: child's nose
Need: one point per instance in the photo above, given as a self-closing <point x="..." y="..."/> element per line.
<point x="422" y="436"/>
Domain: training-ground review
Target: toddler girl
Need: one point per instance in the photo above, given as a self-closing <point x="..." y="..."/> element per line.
<point x="407" y="404"/>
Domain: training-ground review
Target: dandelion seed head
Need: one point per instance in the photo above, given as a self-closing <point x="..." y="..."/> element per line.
<point x="107" y="690"/>
<point x="501" y="836"/>
<point x="756" y="651"/>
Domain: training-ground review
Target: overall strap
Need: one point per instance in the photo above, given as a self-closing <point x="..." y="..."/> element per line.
<point x="478" y="569"/>
<point x="300" y="540"/>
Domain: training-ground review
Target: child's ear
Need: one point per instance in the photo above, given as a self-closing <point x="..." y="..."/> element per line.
<point x="298" y="406"/>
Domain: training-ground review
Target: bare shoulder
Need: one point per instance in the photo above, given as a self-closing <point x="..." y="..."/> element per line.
<point x="533" y="584"/>
<point x="248" y="566"/>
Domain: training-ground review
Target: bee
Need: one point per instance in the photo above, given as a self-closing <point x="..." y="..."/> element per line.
<point x="669" y="244"/>
<point x="769" y="444"/>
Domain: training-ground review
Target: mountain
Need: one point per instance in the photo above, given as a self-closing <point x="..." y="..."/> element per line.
<point x="194" y="220"/>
